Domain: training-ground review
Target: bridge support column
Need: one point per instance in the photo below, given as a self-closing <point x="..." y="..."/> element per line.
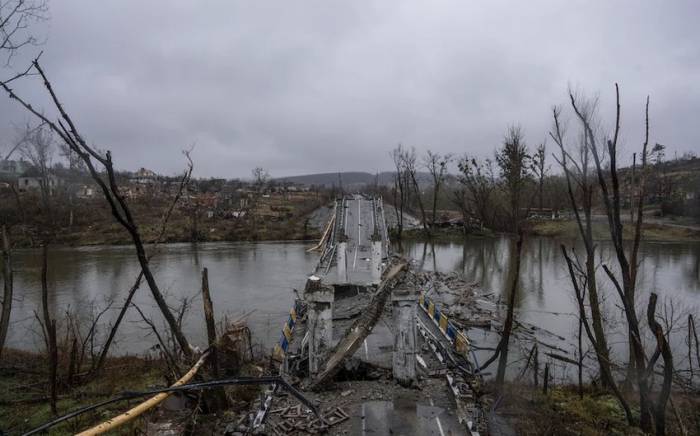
<point x="341" y="256"/>
<point x="376" y="260"/>
<point x="404" y="316"/>
<point x="319" y="320"/>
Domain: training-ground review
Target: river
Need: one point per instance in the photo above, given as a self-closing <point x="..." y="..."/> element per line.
<point x="260" y="277"/>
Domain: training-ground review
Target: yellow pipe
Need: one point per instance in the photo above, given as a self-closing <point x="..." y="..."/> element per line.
<point x="134" y="412"/>
<point x="325" y="233"/>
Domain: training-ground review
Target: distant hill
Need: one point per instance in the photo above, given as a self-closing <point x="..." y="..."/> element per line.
<point x="349" y="179"/>
<point x="330" y="179"/>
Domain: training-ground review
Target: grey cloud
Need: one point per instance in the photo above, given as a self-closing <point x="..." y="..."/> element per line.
<point x="330" y="86"/>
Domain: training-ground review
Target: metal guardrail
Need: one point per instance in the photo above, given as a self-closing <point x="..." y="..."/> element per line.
<point x="457" y="338"/>
<point x="280" y="350"/>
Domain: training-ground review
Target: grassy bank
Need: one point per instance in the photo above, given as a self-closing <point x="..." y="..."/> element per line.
<point x="562" y="411"/>
<point x="93" y="224"/>
<point x="24" y="401"/>
<point x="563" y="230"/>
<point x="651" y="231"/>
<point x="24" y="404"/>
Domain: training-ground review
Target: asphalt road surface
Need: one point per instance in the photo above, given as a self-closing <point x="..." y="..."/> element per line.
<point x="359" y="225"/>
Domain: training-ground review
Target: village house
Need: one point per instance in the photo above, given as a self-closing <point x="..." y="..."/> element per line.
<point x="31" y="180"/>
<point x="144" y="177"/>
<point x="12" y="169"/>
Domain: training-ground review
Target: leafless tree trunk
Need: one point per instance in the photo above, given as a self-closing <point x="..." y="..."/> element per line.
<point x="514" y="163"/>
<point x="508" y="324"/>
<point x="50" y="325"/>
<point x="437" y="167"/>
<point x="664" y="347"/>
<point x="184" y="183"/>
<point x="67" y="131"/>
<point x="479" y="182"/>
<point x="580" y="357"/>
<point x="691" y="324"/>
<point x="576" y="271"/>
<point x="7" y="288"/>
<point x="628" y="264"/>
<point x="169" y="358"/>
<point x="536" y="365"/>
<point x="576" y="173"/>
<point x="540" y="169"/>
<point x="459" y="199"/>
<point x="209" y="319"/>
<point x="97" y="365"/>
<point x="400" y="188"/>
<point x="219" y="396"/>
<point x="409" y="164"/>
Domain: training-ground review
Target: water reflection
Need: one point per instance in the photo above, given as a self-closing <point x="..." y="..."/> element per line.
<point x="259" y="277"/>
<point x="243" y="277"/>
<point x="545" y="296"/>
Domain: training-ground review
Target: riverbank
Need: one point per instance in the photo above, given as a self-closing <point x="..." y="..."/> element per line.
<point x="656" y="232"/>
<point x="563" y="411"/>
<point x="564" y="229"/>
<point x="523" y="408"/>
<point x="24" y="402"/>
<point x="101" y="229"/>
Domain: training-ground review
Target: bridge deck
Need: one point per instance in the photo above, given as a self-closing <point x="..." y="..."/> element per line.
<point x="358" y="218"/>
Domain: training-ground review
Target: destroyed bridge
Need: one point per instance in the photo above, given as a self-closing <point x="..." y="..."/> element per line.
<point x="360" y="324"/>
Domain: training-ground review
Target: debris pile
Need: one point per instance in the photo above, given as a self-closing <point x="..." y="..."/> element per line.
<point x="465" y="303"/>
<point x="295" y="419"/>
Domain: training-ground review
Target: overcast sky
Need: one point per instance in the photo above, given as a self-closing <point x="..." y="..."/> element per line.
<point x="324" y="86"/>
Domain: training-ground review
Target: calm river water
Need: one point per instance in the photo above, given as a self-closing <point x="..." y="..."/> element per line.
<point x="260" y="277"/>
<point x="546" y="297"/>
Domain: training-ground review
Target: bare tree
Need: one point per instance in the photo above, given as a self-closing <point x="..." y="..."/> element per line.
<point x="627" y="261"/>
<point x="260" y="182"/>
<point x="460" y="200"/>
<point x="184" y="182"/>
<point x="400" y="189"/>
<point x="508" y="324"/>
<point x="411" y="169"/>
<point x="66" y="129"/>
<point x="16" y="17"/>
<point x="260" y="179"/>
<point x="540" y="170"/>
<point x="664" y="349"/>
<point x="479" y="182"/>
<point x="579" y="180"/>
<point x="7" y="288"/>
<point x="50" y="330"/>
<point x="437" y="167"/>
<point x="37" y="148"/>
<point x="514" y="163"/>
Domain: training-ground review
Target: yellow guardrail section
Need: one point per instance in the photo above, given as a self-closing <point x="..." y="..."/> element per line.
<point x="458" y="339"/>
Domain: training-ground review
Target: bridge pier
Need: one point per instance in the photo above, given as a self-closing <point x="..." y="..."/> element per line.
<point x="376" y="259"/>
<point x="319" y="322"/>
<point x="341" y="260"/>
<point x="404" y="317"/>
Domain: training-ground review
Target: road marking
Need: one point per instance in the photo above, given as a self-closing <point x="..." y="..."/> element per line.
<point x="359" y="232"/>
<point x="366" y="352"/>
<point x="364" y="421"/>
<point x="442" y="433"/>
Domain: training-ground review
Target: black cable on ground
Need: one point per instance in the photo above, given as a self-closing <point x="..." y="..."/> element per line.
<point x="194" y="386"/>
